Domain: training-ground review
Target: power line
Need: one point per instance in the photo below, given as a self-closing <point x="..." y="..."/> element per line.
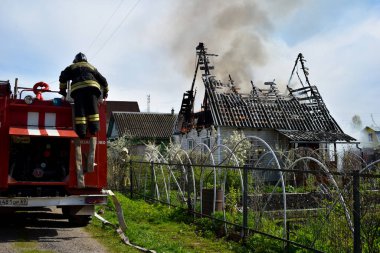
<point x="105" y="25"/>
<point x="118" y="27"/>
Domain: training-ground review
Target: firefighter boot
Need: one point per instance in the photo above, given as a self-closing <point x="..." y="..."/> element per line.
<point x="91" y="155"/>
<point x="78" y="163"/>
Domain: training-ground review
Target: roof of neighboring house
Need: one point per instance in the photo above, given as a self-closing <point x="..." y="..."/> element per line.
<point x="373" y="128"/>
<point x="144" y="125"/>
<point x="121" y="106"/>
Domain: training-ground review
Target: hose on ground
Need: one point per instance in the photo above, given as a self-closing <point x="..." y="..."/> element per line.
<point x="122" y="228"/>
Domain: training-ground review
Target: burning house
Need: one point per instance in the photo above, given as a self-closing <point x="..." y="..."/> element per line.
<point x="284" y="121"/>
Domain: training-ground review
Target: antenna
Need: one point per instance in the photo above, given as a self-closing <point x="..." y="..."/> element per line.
<point x="148" y="103"/>
<point x="373" y="120"/>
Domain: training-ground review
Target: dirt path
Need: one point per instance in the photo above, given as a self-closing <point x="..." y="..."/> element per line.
<point x="44" y="231"/>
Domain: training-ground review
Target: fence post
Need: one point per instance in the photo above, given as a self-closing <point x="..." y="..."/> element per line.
<point x="287" y="247"/>
<point x="131" y="179"/>
<point x="356" y="210"/>
<point x="152" y="183"/>
<point x="189" y="206"/>
<point x="245" y="203"/>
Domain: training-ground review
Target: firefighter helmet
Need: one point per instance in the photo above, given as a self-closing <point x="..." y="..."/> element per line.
<point x="80" y="57"/>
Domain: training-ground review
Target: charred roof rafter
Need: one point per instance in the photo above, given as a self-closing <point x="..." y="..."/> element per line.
<point x="186" y="113"/>
<point x="301" y="115"/>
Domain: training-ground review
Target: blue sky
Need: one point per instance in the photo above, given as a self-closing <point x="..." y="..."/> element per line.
<point x="146" y="47"/>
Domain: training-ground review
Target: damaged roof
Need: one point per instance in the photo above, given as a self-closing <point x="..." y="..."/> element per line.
<point x="297" y="116"/>
<point x="300" y="115"/>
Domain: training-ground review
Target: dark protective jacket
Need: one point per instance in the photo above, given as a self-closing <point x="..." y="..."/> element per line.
<point x="82" y="75"/>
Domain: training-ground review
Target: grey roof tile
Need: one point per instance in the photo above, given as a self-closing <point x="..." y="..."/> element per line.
<point x="145" y="125"/>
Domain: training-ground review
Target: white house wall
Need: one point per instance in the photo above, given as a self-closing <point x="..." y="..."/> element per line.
<point x="114" y="133"/>
<point x="272" y="137"/>
<point x="197" y="137"/>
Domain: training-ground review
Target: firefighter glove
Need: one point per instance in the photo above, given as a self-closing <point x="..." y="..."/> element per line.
<point x="62" y="92"/>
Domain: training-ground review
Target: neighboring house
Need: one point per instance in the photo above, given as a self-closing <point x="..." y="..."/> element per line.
<point x="121" y="106"/>
<point x="284" y="121"/>
<point x="370" y="142"/>
<point x="142" y="128"/>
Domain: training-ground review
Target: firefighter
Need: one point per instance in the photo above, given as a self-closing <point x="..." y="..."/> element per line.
<point x="87" y="84"/>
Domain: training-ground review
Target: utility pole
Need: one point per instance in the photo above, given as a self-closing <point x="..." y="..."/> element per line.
<point x="148" y="103"/>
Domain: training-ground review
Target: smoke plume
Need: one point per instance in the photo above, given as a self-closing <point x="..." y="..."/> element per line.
<point x="235" y="30"/>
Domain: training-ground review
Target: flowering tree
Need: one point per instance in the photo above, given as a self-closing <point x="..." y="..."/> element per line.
<point x="239" y="145"/>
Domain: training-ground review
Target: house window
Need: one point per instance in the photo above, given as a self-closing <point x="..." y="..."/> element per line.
<point x="207" y="142"/>
<point x="190" y="144"/>
<point x="370" y="137"/>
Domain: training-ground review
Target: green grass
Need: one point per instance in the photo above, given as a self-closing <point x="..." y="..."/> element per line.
<point x="26" y="246"/>
<point x="154" y="227"/>
<point x="35" y="251"/>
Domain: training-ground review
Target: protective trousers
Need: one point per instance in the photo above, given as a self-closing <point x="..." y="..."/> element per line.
<point x="78" y="163"/>
<point x="90" y="160"/>
<point x="86" y="111"/>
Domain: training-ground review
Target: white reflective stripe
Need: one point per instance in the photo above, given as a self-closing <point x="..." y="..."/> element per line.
<point x="33" y="118"/>
<point x="52" y="131"/>
<point x="34" y="130"/>
<point x="50" y="119"/>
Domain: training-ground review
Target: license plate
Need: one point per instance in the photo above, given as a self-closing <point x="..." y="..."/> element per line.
<point x="14" y="202"/>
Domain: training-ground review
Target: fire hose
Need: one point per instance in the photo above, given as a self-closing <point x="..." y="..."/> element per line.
<point x="122" y="228"/>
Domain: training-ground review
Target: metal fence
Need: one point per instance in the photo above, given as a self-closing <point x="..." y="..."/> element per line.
<point x="291" y="210"/>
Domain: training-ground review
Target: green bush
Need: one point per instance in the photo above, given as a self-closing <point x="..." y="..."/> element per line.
<point x="261" y="243"/>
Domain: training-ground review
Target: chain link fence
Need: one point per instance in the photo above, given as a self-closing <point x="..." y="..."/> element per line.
<point x="298" y="210"/>
<point x="301" y="200"/>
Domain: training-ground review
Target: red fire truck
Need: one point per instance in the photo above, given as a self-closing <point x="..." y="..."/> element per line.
<point x="38" y="165"/>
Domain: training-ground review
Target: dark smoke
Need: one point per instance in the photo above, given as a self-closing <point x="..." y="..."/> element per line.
<point x="239" y="31"/>
<point x="236" y="30"/>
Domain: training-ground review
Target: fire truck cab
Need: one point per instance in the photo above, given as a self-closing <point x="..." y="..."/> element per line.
<point x="38" y="158"/>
